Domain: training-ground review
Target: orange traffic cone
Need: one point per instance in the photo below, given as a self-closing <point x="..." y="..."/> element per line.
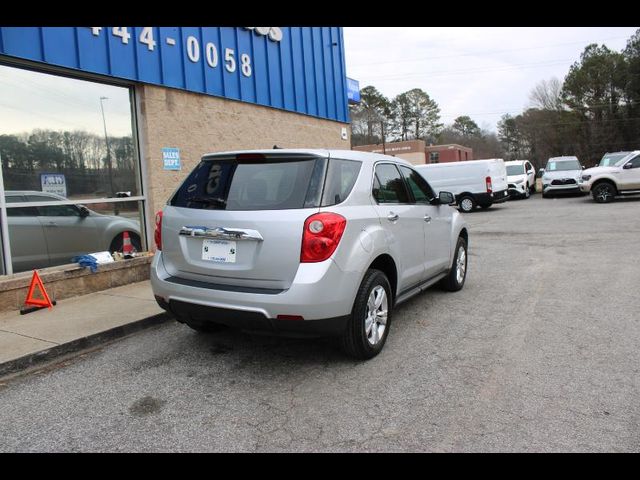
<point x="127" y="248"/>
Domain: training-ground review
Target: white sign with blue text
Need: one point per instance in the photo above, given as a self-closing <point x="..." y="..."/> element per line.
<point x="171" y="158"/>
<point x="53" y="183"/>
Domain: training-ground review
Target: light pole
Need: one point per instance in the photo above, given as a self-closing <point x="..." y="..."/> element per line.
<point x="106" y="141"/>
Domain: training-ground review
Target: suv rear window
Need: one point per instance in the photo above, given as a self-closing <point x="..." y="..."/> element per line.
<point x="266" y="183"/>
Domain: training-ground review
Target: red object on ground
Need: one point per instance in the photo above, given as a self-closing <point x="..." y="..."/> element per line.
<point x="36" y="281"/>
<point x="127" y="248"/>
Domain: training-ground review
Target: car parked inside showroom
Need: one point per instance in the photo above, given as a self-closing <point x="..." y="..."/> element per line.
<point x="561" y="176"/>
<point x="50" y="235"/>
<point x="621" y="178"/>
<point x="521" y="178"/>
<point x="305" y="242"/>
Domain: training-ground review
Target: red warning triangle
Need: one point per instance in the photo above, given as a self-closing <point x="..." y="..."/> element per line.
<point x="31" y="300"/>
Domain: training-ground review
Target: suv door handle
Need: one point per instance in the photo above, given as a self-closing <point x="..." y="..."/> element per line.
<point x="392" y="217"/>
<point x="427" y="218"/>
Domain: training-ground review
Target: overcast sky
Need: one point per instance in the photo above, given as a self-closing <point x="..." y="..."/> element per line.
<point x="482" y="72"/>
<point x="30" y="100"/>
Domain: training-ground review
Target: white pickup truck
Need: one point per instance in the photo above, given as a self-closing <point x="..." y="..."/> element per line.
<point x="617" y="179"/>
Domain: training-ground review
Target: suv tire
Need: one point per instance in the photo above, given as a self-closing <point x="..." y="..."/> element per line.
<point x="603" y="192"/>
<point x="368" y="325"/>
<point x="454" y="280"/>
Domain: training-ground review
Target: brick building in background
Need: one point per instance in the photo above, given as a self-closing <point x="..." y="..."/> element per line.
<point x="448" y="153"/>
<point x="418" y="153"/>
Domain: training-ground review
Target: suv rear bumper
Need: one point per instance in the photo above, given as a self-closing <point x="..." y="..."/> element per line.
<point x="312" y="296"/>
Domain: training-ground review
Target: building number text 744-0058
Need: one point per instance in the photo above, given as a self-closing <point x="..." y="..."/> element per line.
<point x="193" y="49"/>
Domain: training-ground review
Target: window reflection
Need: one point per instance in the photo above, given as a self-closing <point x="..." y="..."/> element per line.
<point x="66" y="139"/>
<point x="78" y="130"/>
<point x="50" y="235"/>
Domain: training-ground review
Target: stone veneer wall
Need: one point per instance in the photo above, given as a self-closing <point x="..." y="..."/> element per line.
<point x="68" y="281"/>
<point x="199" y="124"/>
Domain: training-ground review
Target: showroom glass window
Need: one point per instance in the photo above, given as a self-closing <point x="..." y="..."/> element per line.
<point x="73" y="139"/>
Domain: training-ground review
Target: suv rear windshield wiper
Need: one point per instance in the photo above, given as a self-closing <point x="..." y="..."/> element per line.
<point x="208" y="200"/>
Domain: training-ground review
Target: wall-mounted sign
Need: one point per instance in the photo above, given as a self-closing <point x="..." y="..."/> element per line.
<point x="54" y="183"/>
<point x="171" y="158"/>
<point x="353" y="90"/>
<point x="299" y="69"/>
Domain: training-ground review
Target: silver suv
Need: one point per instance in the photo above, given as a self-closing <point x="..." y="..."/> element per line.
<point x="561" y="175"/>
<point x="311" y="242"/>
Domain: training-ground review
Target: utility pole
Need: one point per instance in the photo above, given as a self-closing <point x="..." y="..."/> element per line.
<point x="106" y="141"/>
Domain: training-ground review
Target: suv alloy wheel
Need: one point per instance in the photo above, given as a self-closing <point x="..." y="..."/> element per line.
<point x="368" y="326"/>
<point x="603" y="192"/>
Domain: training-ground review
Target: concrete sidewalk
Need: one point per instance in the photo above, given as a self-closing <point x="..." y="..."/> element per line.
<point x="74" y="324"/>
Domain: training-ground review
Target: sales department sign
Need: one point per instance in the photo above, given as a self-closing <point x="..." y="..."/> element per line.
<point x="300" y="69"/>
<point x="171" y="158"/>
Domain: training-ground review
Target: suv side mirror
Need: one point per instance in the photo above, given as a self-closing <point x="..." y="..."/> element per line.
<point x="446" y="198"/>
<point x="628" y="165"/>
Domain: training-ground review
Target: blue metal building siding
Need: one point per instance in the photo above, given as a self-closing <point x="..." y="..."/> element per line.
<point x="304" y="72"/>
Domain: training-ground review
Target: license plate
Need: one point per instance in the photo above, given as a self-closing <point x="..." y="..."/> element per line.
<point x="221" y="251"/>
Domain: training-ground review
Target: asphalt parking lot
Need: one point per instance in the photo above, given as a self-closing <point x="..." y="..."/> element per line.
<point x="539" y="352"/>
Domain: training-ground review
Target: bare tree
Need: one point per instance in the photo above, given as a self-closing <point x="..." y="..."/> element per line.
<point x="547" y="95"/>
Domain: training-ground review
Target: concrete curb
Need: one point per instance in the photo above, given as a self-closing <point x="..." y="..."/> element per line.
<point x="33" y="359"/>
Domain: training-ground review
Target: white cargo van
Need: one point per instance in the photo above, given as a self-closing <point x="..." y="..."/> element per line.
<point x="474" y="183"/>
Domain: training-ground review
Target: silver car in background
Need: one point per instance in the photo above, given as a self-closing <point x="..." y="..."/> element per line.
<point x="307" y="242"/>
<point x="561" y="175"/>
<point x="47" y="236"/>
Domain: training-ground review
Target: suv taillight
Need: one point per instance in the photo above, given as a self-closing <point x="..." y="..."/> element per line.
<point x="488" y="182"/>
<point x="157" y="234"/>
<point x="321" y="236"/>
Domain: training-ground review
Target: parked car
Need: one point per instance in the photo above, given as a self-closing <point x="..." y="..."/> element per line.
<point x="474" y="183"/>
<point x="310" y="242"/>
<point x="52" y="235"/>
<point x="521" y="178"/>
<point x="619" y="178"/>
<point x="561" y="175"/>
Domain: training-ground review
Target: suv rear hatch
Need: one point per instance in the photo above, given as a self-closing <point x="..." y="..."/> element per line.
<point x="238" y="219"/>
